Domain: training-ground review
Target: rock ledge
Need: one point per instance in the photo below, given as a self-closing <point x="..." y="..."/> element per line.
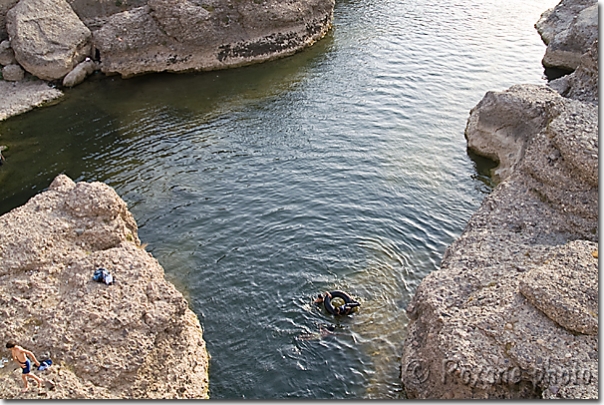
<point x="136" y="338"/>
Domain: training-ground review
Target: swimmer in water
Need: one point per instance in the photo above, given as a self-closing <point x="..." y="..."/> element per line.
<point x="324" y="331"/>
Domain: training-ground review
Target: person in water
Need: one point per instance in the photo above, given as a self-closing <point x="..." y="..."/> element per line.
<point x="341" y="310"/>
<point x="320" y="298"/>
<point x="324" y="331"/>
<point x="20" y="355"/>
<point x="344" y="309"/>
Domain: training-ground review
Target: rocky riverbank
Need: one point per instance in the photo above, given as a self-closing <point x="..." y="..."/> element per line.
<point x="62" y="42"/>
<point x="136" y="338"/>
<point x="513" y="310"/>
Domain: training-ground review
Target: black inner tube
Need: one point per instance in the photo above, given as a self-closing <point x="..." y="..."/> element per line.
<point x="348" y="301"/>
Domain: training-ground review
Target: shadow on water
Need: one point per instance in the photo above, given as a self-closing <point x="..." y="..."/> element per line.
<point x="555" y="73"/>
<point x="483" y="167"/>
<point x="105" y="114"/>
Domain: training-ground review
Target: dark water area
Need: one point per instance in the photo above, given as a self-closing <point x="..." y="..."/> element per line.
<point x="341" y="167"/>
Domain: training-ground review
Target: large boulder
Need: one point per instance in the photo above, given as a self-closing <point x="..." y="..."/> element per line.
<point x="136" y="338"/>
<point x="512" y="312"/>
<point x="569" y="31"/>
<point x="187" y="35"/>
<point x="502" y="123"/>
<point x="48" y="38"/>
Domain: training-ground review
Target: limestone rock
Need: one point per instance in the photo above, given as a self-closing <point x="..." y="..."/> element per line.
<point x="5" y="5"/>
<point x="582" y="84"/>
<point x="186" y="35"/>
<point x="574" y="134"/>
<point x="48" y="38"/>
<point x="13" y="73"/>
<point x="19" y="97"/>
<point x="565" y="288"/>
<point x="79" y="73"/>
<point x="553" y="21"/>
<point x="569" y="31"/>
<point x="502" y="123"/>
<point x="473" y="333"/>
<point x="136" y="338"/>
<point x="94" y="14"/>
<point x="7" y="56"/>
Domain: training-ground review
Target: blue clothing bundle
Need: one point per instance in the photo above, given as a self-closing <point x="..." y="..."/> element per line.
<point x="44" y="364"/>
<point x="102" y="276"/>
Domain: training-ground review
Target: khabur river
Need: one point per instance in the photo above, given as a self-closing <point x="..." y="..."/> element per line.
<point x="342" y="167"/>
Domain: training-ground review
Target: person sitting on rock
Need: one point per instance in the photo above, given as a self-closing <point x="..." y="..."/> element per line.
<point x="19" y="355"/>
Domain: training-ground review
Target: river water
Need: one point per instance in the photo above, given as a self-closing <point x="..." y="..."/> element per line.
<point x="342" y="167"/>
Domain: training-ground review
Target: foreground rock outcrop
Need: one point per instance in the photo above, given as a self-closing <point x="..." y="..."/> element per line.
<point x="500" y="319"/>
<point x="513" y="310"/>
<point x="136" y="338"/>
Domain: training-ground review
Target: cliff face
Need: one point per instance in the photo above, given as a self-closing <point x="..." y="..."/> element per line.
<point x="513" y="310"/>
<point x="136" y="338"/>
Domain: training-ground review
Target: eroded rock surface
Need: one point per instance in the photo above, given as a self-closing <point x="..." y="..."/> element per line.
<point x="7" y="56"/>
<point x="569" y="30"/>
<point x="136" y="338"/>
<point x="5" y="5"/>
<point x="565" y="288"/>
<point x="187" y="35"/>
<point x="502" y="123"/>
<point x="582" y="84"/>
<point x="19" y="97"/>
